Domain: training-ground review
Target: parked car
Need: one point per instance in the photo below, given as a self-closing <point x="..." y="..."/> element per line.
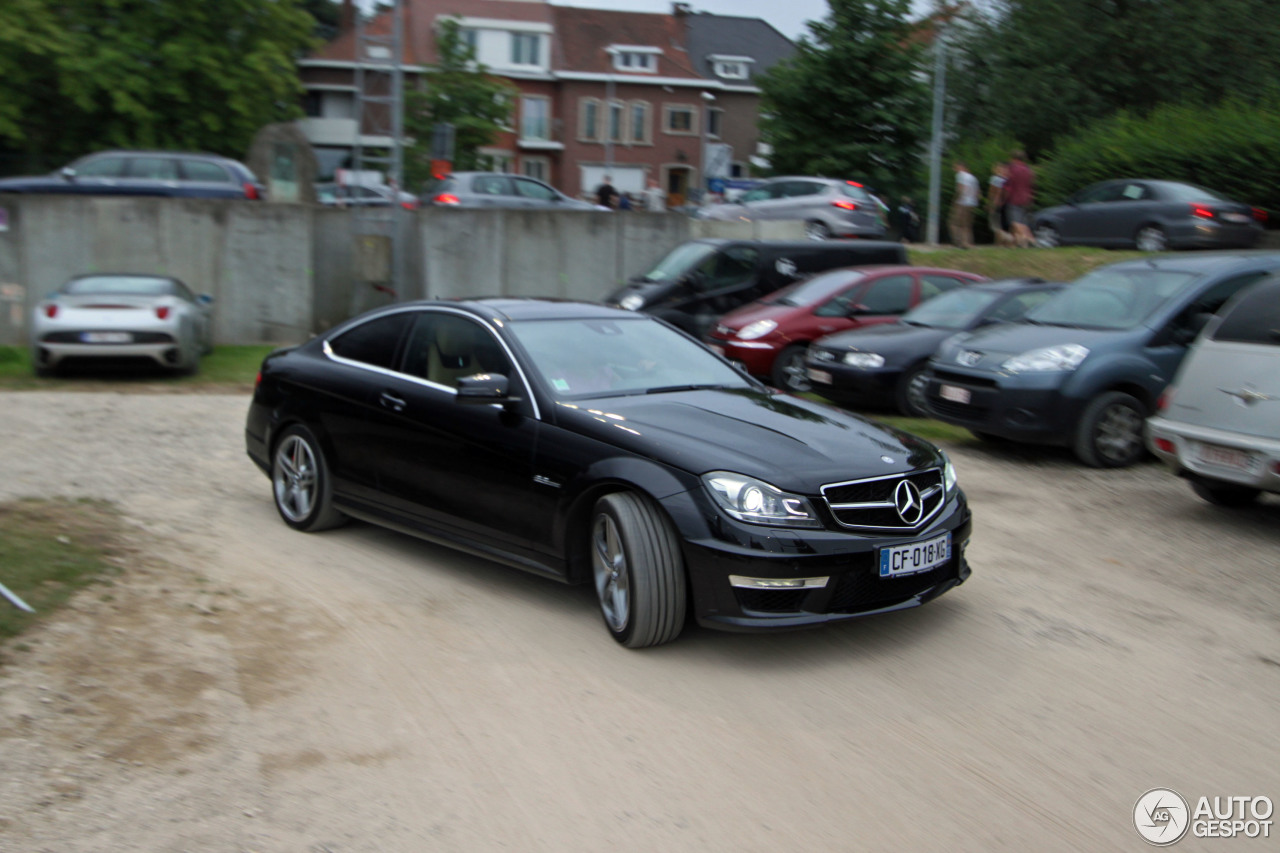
<point x="1150" y="215"/>
<point x="589" y="444"/>
<point x="828" y="207"/>
<point x="1218" y="424"/>
<point x="1085" y="368"/>
<point x="769" y="338"/>
<point x="162" y="173"/>
<point x="122" y="316"/>
<point x="886" y="363"/>
<point x="493" y="189"/>
<point x="698" y="281"/>
<point x="332" y="194"/>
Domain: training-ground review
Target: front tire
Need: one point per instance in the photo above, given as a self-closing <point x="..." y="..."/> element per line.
<point x="300" y="482"/>
<point x="1110" y="431"/>
<point x="1151" y="238"/>
<point x="910" y="392"/>
<point x="789" y="372"/>
<point x="637" y="570"/>
<point x="1224" y="494"/>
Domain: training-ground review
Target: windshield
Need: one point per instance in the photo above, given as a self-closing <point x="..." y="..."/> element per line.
<point x="1111" y="298"/>
<point x="679" y="261"/>
<point x="608" y="358"/>
<point x="819" y="288"/>
<point x="955" y="309"/>
<point x="133" y="285"/>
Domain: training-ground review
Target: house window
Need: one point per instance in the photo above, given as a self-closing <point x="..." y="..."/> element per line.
<point x="589" y="119"/>
<point x="715" y="118"/>
<point x="617" y="117"/>
<point x="313" y="104"/>
<point x="680" y="119"/>
<point x="535" y="118"/>
<point x="470" y="39"/>
<point x="525" y="48"/>
<point x="731" y="67"/>
<point x="639" y="130"/>
<point x="538" y="168"/>
<point x="635" y="60"/>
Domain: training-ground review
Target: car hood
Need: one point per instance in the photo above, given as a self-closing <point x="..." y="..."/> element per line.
<point x="795" y="444"/>
<point x="758" y="311"/>
<point x="998" y="343"/>
<point x="888" y="339"/>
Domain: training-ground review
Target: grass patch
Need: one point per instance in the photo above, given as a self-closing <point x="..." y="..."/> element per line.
<point x="927" y="428"/>
<point x="51" y="549"/>
<point x="1065" y="264"/>
<point x="227" y="368"/>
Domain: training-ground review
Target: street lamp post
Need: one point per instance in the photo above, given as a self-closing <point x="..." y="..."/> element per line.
<point x="704" y="115"/>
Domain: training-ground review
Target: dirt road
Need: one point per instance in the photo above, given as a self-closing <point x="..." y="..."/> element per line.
<point x="244" y="687"/>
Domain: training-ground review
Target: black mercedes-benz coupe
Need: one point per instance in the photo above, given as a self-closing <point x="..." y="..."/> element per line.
<point x="586" y="443"/>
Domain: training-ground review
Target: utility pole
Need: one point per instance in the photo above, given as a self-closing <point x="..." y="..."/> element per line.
<point x="935" y="141"/>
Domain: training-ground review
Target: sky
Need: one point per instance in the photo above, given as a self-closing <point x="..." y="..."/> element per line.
<point x="787" y="16"/>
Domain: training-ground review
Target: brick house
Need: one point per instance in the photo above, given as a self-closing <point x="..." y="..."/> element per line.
<point x="631" y="94"/>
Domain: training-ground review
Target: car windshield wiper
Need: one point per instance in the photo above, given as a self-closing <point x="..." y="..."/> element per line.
<point x="665" y="389"/>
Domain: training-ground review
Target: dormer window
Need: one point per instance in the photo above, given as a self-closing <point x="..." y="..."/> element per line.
<point x="731" y="67"/>
<point x="641" y="60"/>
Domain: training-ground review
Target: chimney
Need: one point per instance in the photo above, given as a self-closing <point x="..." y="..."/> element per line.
<point x="347" y="17"/>
<point x="681" y="9"/>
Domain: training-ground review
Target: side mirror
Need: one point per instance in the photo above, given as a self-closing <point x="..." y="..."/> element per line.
<point x="857" y="310"/>
<point x="68" y="173"/>
<point x="484" y="389"/>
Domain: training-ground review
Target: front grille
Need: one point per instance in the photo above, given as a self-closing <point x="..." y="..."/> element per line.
<point x="957" y="411"/>
<point x="866" y="590"/>
<point x="771" y="600"/>
<point x="869" y="503"/>
<point x="965" y="379"/>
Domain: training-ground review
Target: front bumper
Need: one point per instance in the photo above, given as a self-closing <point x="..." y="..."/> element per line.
<point x="854" y="385"/>
<point x="1188" y="460"/>
<point x="1026" y="407"/>
<point x="756" y="357"/>
<point x="721" y="548"/>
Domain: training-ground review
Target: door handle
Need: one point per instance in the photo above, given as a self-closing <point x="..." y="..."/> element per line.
<point x="392" y="402"/>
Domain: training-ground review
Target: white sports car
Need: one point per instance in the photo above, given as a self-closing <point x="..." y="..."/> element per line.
<point x="122" y="316"/>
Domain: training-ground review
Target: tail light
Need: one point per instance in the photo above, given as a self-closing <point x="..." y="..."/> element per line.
<point x="251" y="192"/>
<point x="446" y="198"/>
<point x="854" y="184"/>
<point x="1259" y="214"/>
<point x="51" y="310"/>
<point x="844" y="204"/>
<point x="410" y="205"/>
<point x="1166" y="398"/>
<point x="257" y="380"/>
<point x="1201" y="211"/>
<point x="162" y="312"/>
<point x="1165" y="445"/>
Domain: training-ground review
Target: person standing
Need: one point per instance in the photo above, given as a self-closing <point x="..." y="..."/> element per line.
<point x="997" y="215"/>
<point x="908" y="220"/>
<point x="967" y="189"/>
<point x="655" y="200"/>
<point x="606" y="195"/>
<point x="1019" y="191"/>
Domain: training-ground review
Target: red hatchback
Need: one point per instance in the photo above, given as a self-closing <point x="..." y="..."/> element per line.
<point x="769" y="337"/>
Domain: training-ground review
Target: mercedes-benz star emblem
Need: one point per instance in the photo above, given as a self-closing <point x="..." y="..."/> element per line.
<point x="906" y="499"/>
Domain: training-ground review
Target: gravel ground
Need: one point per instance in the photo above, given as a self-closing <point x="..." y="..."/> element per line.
<point x="248" y="688"/>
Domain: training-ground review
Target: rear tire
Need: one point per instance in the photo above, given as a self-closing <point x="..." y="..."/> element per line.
<point x="817" y="231"/>
<point x="1224" y="494"/>
<point x="1109" y="434"/>
<point x="300" y="482"/>
<point x="789" y="371"/>
<point x="637" y="570"/>
<point x="1047" y="237"/>
<point x="1151" y="238"/>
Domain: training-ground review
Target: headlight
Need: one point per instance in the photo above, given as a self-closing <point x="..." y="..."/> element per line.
<point x="748" y="499"/>
<point x="1065" y="357"/>
<point x="864" y="360"/>
<point x="758" y="329"/>
<point x="632" y="302"/>
<point x="948" y="474"/>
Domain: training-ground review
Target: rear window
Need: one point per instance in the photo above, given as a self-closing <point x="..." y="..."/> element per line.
<point x="373" y="342"/>
<point x="132" y="285"/>
<point x="1254" y="318"/>
<point x="855" y="191"/>
<point x="204" y="171"/>
<point x="1189" y="193"/>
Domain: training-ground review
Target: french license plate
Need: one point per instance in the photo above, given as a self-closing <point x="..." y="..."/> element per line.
<point x="915" y="557"/>
<point x="955" y="394"/>
<point x="107" y="337"/>
<point x="1229" y="458"/>
<point x="820" y="376"/>
<point x="1235" y="217"/>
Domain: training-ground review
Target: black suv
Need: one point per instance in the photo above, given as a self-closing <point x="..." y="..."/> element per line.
<point x="162" y="173"/>
<point x="700" y="280"/>
<point x="1085" y="368"/>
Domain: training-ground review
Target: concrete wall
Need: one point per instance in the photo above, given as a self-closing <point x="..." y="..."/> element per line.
<point x="280" y="272"/>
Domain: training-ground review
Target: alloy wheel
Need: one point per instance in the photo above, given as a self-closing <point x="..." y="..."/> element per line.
<point x="609" y="566"/>
<point x="295" y="478"/>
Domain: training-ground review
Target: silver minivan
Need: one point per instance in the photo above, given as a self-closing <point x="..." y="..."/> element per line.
<point x="1218" y="424"/>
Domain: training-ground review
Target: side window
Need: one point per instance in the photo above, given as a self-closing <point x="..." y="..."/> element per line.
<point x="1216" y="296"/>
<point x="533" y="189"/>
<point x="444" y="347"/>
<point x="374" y="342"/>
<point x="102" y="167"/>
<point x="1255" y="318"/>
<point x="205" y="172"/>
<point x="154" y="168"/>
<point x="492" y="185"/>
<point x="1015" y="306"/>
<point x="841" y="305"/>
<point x="1134" y="192"/>
<point x="890" y="295"/>
<point x="932" y="285"/>
<point x="758" y="194"/>
<point x="735" y="264"/>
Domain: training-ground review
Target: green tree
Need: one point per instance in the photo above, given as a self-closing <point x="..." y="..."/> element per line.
<point x="852" y="101"/>
<point x="82" y="75"/>
<point x="459" y="91"/>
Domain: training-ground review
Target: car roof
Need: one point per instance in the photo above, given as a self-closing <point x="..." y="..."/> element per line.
<point x="511" y="308"/>
<point x="130" y="152"/>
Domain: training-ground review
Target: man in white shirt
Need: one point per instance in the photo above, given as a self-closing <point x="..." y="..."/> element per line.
<point x="655" y="200"/>
<point x="967" y="189"/>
